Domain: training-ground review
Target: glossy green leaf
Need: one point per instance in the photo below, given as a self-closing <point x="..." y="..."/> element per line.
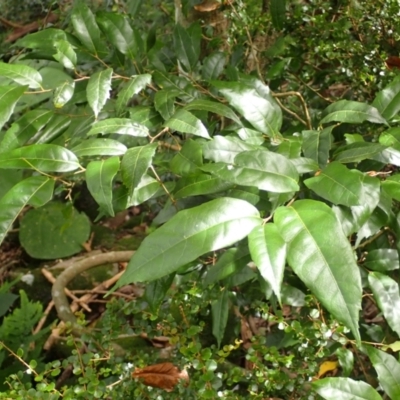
<point x="122" y="126"/>
<point x="337" y="184"/>
<point x="188" y="160"/>
<point x="41" y="157"/>
<point x="99" y="179"/>
<point x="185" y="122"/>
<point x="261" y="110"/>
<point x="118" y="31"/>
<point x="200" y="184"/>
<point x="387" y="101"/>
<point x="36" y="191"/>
<point x="317" y="144"/>
<point x="278" y="13"/>
<point x="345" y="389"/>
<point x="388" y="370"/>
<point x="231" y="262"/>
<point x="98" y="90"/>
<point x="357" y="152"/>
<point x="328" y="267"/>
<point x="187" y="44"/>
<point x="220" y="313"/>
<point x="390" y="137"/>
<point x="42" y="39"/>
<point x="21" y="74"/>
<point x="65" y="53"/>
<point x="146" y="116"/>
<point x="292" y="296"/>
<point x="225" y="149"/>
<point x="164" y="102"/>
<point x="268" y="251"/>
<point x="392" y="186"/>
<point x="382" y="260"/>
<point x="386" y="294"/>
<point x="354" y="218"/>
<point x="346" y="360"/>
<point x="304" y="165"/>
<point x="388" y="156"/>
<point x="24" y="128"/>
<point x="57" y="125"/>
<point x="86" y="29"/>
<point x="135" y="164"/>
<point x="352" y="112"/>
<point x="188" y="235"/>
<point x="130" y="88"/>
<point x="63" y="94"/>
<point x="213" y="107"/>
<point x="213" y="66"/>
<point x="156" y="291"/>
<point x="99" y="147"/>
<point x="9" y="97"/>
<point x="146" y="189"/>
<point x="266" y="170"/>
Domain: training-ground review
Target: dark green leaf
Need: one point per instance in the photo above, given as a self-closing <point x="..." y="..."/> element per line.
<point x="320" y="254"/>
<point x="220" y="313"/>
<point x="9" y="97"/>
<point x="156" y="290"/>
<point x="382" y="260"/>
<point x="189" y="158"/>
<point x="317" y="144"/>
<point x="187" y="44"/>
<point x="387" y="101"/>
<point x="164" y="102"/>
<point x="278" y="13"/>
<point x="190" y="234"/>
<point x="213" y="65"/>
<point x="43" y="39"/>
<point x="357" y="152"/>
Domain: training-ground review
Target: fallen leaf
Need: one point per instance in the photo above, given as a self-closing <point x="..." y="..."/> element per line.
<point x="327" y="366"/>
<point x="393" y="62"/>
<point x="163" y="376"/>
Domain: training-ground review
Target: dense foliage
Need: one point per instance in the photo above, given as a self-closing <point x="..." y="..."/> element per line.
<point x="265" y="169"/>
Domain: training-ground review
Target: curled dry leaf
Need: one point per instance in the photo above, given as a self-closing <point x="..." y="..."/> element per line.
<point x="163" y="376"/>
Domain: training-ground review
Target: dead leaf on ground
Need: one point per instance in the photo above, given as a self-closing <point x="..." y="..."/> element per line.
<point x="163" y="376"/>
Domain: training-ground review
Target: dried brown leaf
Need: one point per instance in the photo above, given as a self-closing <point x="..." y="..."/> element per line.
<point x="163" y="376"/>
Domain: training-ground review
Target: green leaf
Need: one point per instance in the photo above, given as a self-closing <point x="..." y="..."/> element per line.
<point x="86" y="29"/>
<point x="352" y="112"/>
<point x="320" y="254"/>
<point x="146" y="189"/>
<point x="188" y="235"/>
<point x="99" y="147"/>
<point x="36" y="190"/>
<point x="213" y="66"/>
<point x="391" y="186"/>
<point x="135" y="164"/>
<point x="338" y="184"/>
<point x="200" y="184"/>
<point x="55" y="127"/>
<point x="156" y="291"/>
<point x="189" y="158"/>
<point x="317" y="144"/>
<point x="21" y="74"/>
<point x="185" y="122"/>
<point x="387" y="101"/>
<point x="55" y="230"/>
<point x="269" y="171"/>
<point x="388" y="370"/>
<point x="146" y="116"/>
<point x="6" y="301"/>
<point x="357" y="152"/>
<point x="9" y="97"/>
<point x="220" y="313"/>
<point x="390" y="138"/>
<point x="98" y="90"/>
<point x="225" y="149"/>
<point x="118" y="31"/>
<point x="99" y="179"/>
<point x="345" y="389"/>
<point x="213" y="107"/>
<point x="164" y="102"/>
<point x="63" y="94"/>
<point x="41" y="157"/>
<point x="278" y="13"/>
<point x="346" y="360"/>
<point x="262" y="111"/>
<point x="24" y="128"/>
<point x="65" y="53"/>
<point x="187" y="44"/>
<point x="386" y="294"/>
<point x="43" y="39"/>
<point x="268" y="251"/>
<point x="122" y="126"/>
<point x="382" y="260"/>
<point x="130" y="88"/>
<point x="304" y="165"/>
<point x="231" y="262"/>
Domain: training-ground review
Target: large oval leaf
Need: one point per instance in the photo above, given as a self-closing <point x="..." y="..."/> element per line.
<point x="42" y="157"/>
<point x="36" y="190"/>
<point x="190" y="234"/>
<point x="338" y="184"/>
<point x="320" y="254"/>
<point x="268" y="251"/>
<point x="98" y="89"/>
<point x="345" y="389"/>
<point x="386" y="294"/>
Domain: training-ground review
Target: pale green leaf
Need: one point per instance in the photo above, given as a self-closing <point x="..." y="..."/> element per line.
<point x="21" y="74"/>
<point x="185" y="122"/>
<point x="382" y="260"/>
<point x="188" y="235"/>
<point x="65" y="53"/>
<point x="387" y="101"/>
<point x="9" y="97"/>
<point x="122" y="126"/>
<point x="103" y="147"/>
<point x="63" y="94"/>
<point x="98" y="90"/>
<point x="320" y="254"/>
